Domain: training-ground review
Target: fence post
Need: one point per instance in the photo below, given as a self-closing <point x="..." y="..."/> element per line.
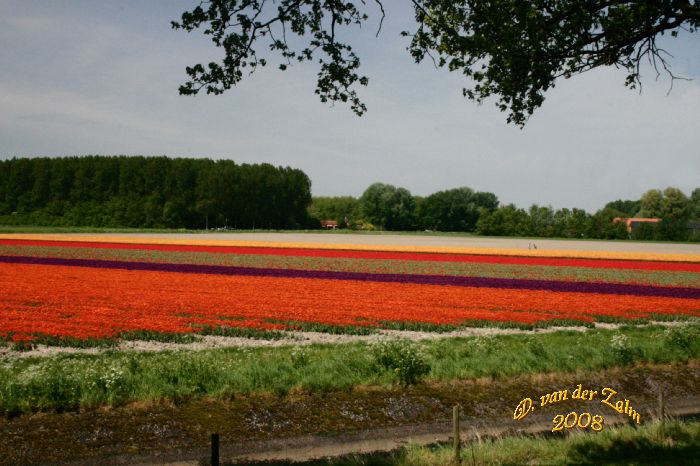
<point x="214" y="449"/>
<point x="456" y="435"/>
<point x="662" y="412"/>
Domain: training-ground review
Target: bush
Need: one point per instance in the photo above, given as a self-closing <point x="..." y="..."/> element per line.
<point x="299" y="356"/>
<point x="682" y="337"/>
<point x="403" y="358"/>
<point x="620" y="344"/>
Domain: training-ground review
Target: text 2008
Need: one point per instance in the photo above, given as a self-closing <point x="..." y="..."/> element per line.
<point x="582" y="421"/>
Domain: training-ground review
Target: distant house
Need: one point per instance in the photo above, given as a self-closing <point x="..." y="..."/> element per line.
<point x="632" y="223"/>
<point x="329" y="224"/>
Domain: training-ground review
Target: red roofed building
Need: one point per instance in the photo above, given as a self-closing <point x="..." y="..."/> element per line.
<point x="329" y="224"/>
<point x="633" y="222"/>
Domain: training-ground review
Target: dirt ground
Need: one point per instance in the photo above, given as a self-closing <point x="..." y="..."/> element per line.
<point x="433" y="241"/>
<point x="301" y="426"/>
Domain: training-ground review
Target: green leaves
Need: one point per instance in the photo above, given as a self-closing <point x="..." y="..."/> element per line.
<point x="239" y="27"/>
<point x="514" y="50"/>
<point x="403" y="357"/>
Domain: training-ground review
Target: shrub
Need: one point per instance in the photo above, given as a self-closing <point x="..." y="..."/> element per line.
<point x="682" y="337"/>
<point x="403" y="358"/>
<point x="620" y="343"/>
<point x="299" y="356"/>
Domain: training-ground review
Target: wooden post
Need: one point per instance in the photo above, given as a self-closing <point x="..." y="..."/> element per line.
<point x="214" y="449"/>
<point x="662" y="413"/>
<point x="456" y="435"/>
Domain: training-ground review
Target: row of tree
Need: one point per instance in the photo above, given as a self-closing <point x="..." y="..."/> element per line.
<point x="387" y="207"/>
<point x="152" y="192"/>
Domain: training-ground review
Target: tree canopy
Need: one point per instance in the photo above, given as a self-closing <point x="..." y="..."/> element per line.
<point x="151" y="192"/>
<point x="454" y="209"/>
<point x="511" y="50"/>
<point x="388" y="207"/>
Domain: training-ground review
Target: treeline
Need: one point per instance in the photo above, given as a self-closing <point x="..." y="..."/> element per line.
<point x="387" y="207"/>
<point x="151" y="192"/>
<point x="160" y="192"/>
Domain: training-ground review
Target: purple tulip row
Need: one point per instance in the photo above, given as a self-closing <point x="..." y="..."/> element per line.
<point x="481" y="282"/>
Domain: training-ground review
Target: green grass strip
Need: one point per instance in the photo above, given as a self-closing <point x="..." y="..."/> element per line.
<point x="676" y="442"/>
<point x="75" y="381"/>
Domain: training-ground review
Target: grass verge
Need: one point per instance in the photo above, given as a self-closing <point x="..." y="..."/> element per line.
<point x="77" y="381"/>
<point x="676" y="442"/>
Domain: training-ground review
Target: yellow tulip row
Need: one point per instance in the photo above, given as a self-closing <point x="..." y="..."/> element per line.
<point x="544" y="253"/>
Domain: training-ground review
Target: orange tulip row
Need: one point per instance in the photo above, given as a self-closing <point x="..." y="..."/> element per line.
<point x="80" y="302"/>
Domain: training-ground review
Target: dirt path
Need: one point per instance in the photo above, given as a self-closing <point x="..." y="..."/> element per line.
<point x="301" y="426"/>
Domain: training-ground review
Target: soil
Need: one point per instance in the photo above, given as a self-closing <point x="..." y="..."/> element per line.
<point x="300" y="426"/>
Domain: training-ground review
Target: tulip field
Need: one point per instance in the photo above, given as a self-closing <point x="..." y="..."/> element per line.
<point x="100" y="288"/>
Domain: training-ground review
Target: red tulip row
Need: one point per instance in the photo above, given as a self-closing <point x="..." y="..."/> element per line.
<point x="81" y="302"/>
<point x="80" y="296"/>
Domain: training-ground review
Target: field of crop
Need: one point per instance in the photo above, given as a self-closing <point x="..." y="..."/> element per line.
<point x="59" y="289"/>
<point x="100" y="290"/>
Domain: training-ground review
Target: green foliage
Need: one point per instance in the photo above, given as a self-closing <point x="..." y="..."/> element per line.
<point x="272" y="24"/>
<point x="628" y="207"/>
<point x="515" y="50"/>
<point x="505" y="221"/>
<point x="673" y="207"/>
<point x="682" y="337"/>
<point x="164" y="337"/>
<point x="695" y="204"/>
<point x="73" y="381"/>
<point x="674" y="442"/>
<point x="151" y="192"/>
<point x="603" y="227"/>
<point x="545" y="222"/>
<point x="455" y="209"/>
<point x="243" y="332"/>
<point x="389" y="207"/>
<point x="343" y="209"/>
<point x="157" y="192"/>
<point x="622" y="348"/>
<point x="646" y="232"/>
<point x="652" y="204"/>
<point x="403" y="358"/>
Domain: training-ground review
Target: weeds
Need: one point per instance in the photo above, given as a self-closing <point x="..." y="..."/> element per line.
<point x="72" y="381"/>
<point x="403" y="357"/>
<point x="678" y="444"/>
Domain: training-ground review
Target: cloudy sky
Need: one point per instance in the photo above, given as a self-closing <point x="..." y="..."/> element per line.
<point x="101" y="77"/>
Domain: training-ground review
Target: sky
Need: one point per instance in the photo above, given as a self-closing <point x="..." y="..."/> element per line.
<point x="102" y="77"/>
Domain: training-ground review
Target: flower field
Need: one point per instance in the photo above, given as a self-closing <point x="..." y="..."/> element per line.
<point x="71" y="287"/>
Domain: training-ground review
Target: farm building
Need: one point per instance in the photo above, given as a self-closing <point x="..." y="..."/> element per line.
<point x="632" y="223"/>
<point x="329" y="224"/>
